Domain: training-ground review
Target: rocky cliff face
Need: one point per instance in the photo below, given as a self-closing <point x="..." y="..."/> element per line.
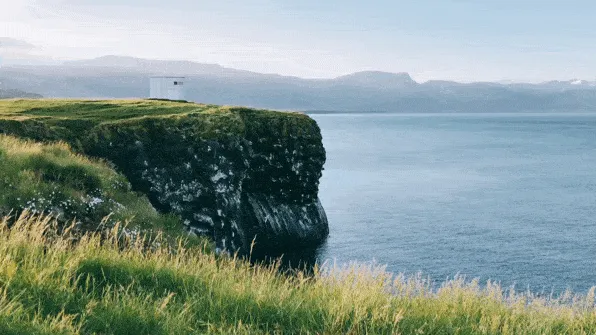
<point x="235" y="174"/>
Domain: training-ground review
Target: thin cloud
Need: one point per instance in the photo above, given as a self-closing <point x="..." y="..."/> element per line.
<point x="14" y="44"/>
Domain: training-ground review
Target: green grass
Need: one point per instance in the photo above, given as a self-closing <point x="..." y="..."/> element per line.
<point x="51" y="179"/>
<point x="94" y="110"/>
<point x="108" y="285"/>
<point x="71" y="120"/>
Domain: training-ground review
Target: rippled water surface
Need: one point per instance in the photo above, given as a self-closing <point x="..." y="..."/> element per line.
<point x="509" y="197"/>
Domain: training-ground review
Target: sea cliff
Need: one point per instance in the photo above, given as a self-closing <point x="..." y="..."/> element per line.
<point x="237" y="175"/>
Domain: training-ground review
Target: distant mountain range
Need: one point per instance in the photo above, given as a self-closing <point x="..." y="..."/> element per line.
<point x="127" y="77"/>
<point x="12" y="93"/>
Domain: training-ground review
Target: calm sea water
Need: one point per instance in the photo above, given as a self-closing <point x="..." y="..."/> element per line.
<point x="507" y="197"/>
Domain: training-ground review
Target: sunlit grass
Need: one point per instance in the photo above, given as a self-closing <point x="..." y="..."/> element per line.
<point x="111" y="284"/>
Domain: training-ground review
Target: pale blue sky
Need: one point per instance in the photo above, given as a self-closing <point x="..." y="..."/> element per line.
<point x="464" y="40"/>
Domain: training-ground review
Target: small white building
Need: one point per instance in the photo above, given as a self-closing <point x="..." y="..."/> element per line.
<point x="170" y="88"/>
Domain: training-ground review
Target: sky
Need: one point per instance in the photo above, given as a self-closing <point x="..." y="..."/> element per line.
<point x="461" y="40"/>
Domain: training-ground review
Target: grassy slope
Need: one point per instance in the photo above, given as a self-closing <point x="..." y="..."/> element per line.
<point x="51" y="286"/>
<point x="51" y="179"/>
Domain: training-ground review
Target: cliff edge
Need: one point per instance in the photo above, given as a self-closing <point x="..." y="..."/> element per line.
<point x="230" y="173"/>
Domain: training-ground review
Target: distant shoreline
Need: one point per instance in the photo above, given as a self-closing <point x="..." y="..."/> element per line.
<point x="320" y="112"/>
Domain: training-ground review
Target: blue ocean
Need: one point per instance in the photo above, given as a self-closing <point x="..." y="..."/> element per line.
<point x="508" y="197"/>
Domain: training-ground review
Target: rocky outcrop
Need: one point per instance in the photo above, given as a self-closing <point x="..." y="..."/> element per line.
<point x="235" y="174"/>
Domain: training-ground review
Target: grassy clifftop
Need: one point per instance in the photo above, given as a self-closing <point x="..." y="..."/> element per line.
<point x="53" y="119"/>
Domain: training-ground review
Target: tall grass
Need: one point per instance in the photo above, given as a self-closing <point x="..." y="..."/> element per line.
<point x="52" y="179"/>
<point x="110" y="283"/>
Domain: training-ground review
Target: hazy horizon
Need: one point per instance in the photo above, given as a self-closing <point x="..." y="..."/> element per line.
<point x="57" y="62"/>
<point x="454" y="40"/>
